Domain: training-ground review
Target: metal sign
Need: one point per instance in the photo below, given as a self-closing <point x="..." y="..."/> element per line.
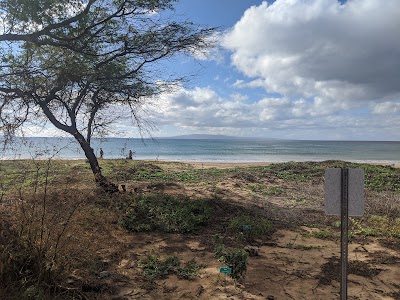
<point x="344" y="196"/>
<point x="333" y="192"/>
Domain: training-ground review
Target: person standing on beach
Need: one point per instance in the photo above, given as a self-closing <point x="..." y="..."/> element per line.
<point x="101" y="153"/>
<point x="130" y="154"/>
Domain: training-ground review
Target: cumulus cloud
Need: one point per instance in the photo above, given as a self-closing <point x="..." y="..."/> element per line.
<point x="339" y="55"/>
<point x="204" y="110"/>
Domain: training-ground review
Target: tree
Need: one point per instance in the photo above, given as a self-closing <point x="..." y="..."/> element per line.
<point x="73" y="64"/>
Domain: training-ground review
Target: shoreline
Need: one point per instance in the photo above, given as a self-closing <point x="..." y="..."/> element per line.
<point x="227" y="165"/>
<point x="215" y="164"/>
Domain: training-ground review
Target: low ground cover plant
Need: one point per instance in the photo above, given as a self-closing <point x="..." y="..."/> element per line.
<point x="154" y="267"/>
<point x="251" y="225"/>
<point x="165" y="213"/>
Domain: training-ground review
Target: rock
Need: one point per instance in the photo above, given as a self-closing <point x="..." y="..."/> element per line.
<point x="124" y="263"/>
<point x="252" y="250"/>
<point x="199" y="290"/>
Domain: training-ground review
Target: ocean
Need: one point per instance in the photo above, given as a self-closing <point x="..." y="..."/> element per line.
<point x="208" y="150"/>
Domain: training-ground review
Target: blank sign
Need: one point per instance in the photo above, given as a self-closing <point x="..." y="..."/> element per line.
<point x="333" y="191"/>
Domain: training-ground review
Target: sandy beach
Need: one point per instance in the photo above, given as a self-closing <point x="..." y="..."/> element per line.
<point x="227" y="165"/>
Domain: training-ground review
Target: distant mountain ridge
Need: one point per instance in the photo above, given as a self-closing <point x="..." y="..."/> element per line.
<point x="215" y="137"/>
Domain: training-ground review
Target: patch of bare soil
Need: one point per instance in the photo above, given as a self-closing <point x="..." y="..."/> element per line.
<point x="289" y="266"/>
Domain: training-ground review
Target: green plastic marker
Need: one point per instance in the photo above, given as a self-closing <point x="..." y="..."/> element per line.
<point x="225" y="270"/>
<point x="246" y="227"/>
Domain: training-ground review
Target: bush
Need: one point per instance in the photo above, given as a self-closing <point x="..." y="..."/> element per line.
<point x="165" y="213"/>
<point x="24" y="272"/>
<point x="33" y="228"/>
<point x="236" y="259"/>
<point x="154" y="267"/>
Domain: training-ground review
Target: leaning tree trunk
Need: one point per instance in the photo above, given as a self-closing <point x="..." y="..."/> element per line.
<point x="85" y="145"/>
<point x="100" y="179"/>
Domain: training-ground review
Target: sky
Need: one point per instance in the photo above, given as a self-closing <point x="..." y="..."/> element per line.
<point x="291" y="69"/>
<point x="295" y="69"/>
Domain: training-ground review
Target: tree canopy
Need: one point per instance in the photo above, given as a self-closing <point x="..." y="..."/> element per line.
<point x="71" y="62"/>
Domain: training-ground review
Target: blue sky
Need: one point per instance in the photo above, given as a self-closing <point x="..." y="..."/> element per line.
<point x="294" y="69"/>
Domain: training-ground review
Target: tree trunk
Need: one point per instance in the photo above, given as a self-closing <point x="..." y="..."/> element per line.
<point x="100" y="179"/>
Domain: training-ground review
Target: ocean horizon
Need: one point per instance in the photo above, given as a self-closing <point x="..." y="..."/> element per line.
<point x="207" y="150"/>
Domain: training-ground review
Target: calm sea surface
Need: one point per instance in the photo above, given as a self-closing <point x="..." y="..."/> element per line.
<point x="209" y="150"/>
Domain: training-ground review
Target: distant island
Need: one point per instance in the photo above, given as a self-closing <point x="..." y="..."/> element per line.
<point x="214" y="137"/>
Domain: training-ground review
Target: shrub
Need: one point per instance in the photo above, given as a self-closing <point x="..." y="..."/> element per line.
<point x="165" y="213"/>
<point x="33" y="232"/>
<point x="236" y="259"/>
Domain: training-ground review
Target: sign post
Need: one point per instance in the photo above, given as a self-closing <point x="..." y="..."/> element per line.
<point x="226" y="271"/>
<point x="344" y="196"/>
<point x="344" y="227"/>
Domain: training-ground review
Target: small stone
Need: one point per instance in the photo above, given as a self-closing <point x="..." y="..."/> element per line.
<point x="124" y="263"/>
<point x="252" y="250"/>
<point x="199" y="290"/>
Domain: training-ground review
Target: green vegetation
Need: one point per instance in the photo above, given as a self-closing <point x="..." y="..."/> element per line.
<point x="236" y="259"/>
<point x="140" y="171"/>
<point x="377" y="177"/>
<point x="376" y="226"/>
<point x="303" y="247"/>
<point x="153" y="267"/>
<point x="267" y="191"/>
<point x="324" y="234"/>
<point x="259" y="225"/>
<point x="165" y="213"/>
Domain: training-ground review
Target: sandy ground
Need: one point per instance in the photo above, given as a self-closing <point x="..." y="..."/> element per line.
<point x="285" y="269"/>
<point x="292" y="264"/>
<point x="221" y="165"/>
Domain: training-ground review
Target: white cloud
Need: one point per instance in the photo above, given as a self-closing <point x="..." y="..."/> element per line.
<point x="203" y="110"/>
<point x="386" y="108"/>
<point x="340" y="56"/>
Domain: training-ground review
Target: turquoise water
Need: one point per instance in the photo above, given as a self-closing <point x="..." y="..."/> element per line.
<point x="210" y="150"/>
